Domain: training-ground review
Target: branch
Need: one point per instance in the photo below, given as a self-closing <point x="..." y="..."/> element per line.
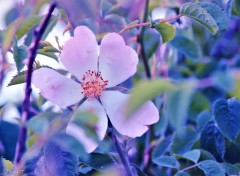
<point x="26" y="103"/>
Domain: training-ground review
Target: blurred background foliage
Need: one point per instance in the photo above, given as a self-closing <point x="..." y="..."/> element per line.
<point x="195" y="84"/>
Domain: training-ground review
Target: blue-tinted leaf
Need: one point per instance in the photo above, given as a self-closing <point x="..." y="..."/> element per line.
<point x="208" y="14"/>
<point x="162" y="147"/>
<point x="161" y="126"/>
<point x="236" y="7"/>
<point x="212" y="140"/>
<point x="167" y="161"/>
<point x="227" y="116"/>
<point x="224" y="80"/>
<point x="202" y="119"/>
<point x="181" y="174"/>
<point x="192" y="155"/>
<point x="230" y="169"/>
<point x="20" y="53"/>
<point x="205" y="155"/>
<point x="177" y="104"/>
<point x="8" y="138"/>
<point x="183" y="140"/>
<point x="52" y="160"/>
<point x="229" y="6"/>
<point x="151" y="40"/>
<point x="1" y="166"/>
<point x="99" y="161"/>
<point x="186" y="47"/>
<point x="211" y="168"/>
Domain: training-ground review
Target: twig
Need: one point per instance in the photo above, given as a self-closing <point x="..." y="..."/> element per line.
<point x="26" y="103"/>
<point x="120" y="151"/>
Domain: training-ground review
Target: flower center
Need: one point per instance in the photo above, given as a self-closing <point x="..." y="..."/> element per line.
<point x="93" y="84"/>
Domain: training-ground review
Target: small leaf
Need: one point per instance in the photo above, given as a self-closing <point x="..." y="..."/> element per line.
<point x="166" y="30"/>
<point x="99" y="161"/>
<point x="236" y="7"/>
<point x="230" y="169"/>
<point x="46" y="46"/>
<point x="162" y="147"/>
<point x="183" y="140"/>
<point x="100" y="36"/>
<point x="181" y="174"/>
<point x="227" y="116"/>
<point x="211" y="168"/>
<point x="48" y="54"/>
<point x="27" y="24"/>
<point x="19" y="54"/>
<point x="167" y="161"/>
<point x="185" y="46"/>
<point x="208" y="14"/>
<point x="177" y="104"/>
<point x="192" y="155"/>
<point x="202" y="119"/>
<point x="18" y="79"/>
<point x="153" y="87"/>
<point x="212" y="140"/>
<point x="151" y="41"/>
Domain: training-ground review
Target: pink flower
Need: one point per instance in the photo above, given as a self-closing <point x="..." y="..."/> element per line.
<point x="97" y="68"/>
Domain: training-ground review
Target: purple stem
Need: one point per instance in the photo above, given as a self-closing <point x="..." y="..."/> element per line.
<point x="39" y="31"/>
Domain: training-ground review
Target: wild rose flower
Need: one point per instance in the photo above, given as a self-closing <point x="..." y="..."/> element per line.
<point x="96" y="68"/>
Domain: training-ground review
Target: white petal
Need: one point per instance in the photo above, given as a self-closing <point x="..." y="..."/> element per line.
<point x="134" y="126"/>
<point x="95" y="107"/>
<point x="117" y="62"/>
<point x="57" y="88"/>
<point x="80" y="53"/>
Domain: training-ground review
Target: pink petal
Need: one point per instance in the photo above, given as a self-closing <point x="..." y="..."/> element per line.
<point x="134" y="126"/>
<point x="117" y="61"/>
<point x="95" y="107"/>
<point x="56" y="87"/>
<point x="80" y="53"/>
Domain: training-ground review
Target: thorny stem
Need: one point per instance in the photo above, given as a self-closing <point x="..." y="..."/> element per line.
<point x="26" y="103"/>
<point x="120" y="151"/>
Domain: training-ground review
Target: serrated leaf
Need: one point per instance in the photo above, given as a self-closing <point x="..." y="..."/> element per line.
<point x="19" y="54"/>
<point x="99" y="161"/>
<point x="48" y="54"/>
<point x="167" y="161"/>
<point x="18" y="79"/>
<point x="208" y="14"/>
<point x="46" y="46"/>
<point x="52" y="160"/>
<point x="27" y="24"/>
<point x="153" y="87"/>
<point x="211" y="168"/>
<point x="212" y="140"/>
<point x="185" y="46"/>
<point x="183" y="140"/>
<point x="227" y="116"/>
<point x="166" y="30"/>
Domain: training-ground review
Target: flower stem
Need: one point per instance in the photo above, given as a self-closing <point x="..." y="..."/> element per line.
<point x="28" y="79"/>
<point x="120" y="151"/>
<point x="189" y="167"/>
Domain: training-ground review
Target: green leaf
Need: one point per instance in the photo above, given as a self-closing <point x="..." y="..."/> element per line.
<point x="18" y="79"/>
<point x="236" y="7"/>
<point x="50" y="26"/>
<point x="167" y="161"/>
<point x="48" y="54"/>
<point x="177" y="104"/>
<point x="19" y="54"/>
<point x="166" y="30"/>
<point x="183" y="140"/>
<point x="99" y="161"/>
<point x="27" y="24"/>
<point x="46" y="46"/>
<point x="227" y="116"/>
<point x="146" y="90"/>
<point x="185" y="46"/>
<point x="192" y="155"/>
<point x="211" y="168"/>
<point x="208" y="14"/>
